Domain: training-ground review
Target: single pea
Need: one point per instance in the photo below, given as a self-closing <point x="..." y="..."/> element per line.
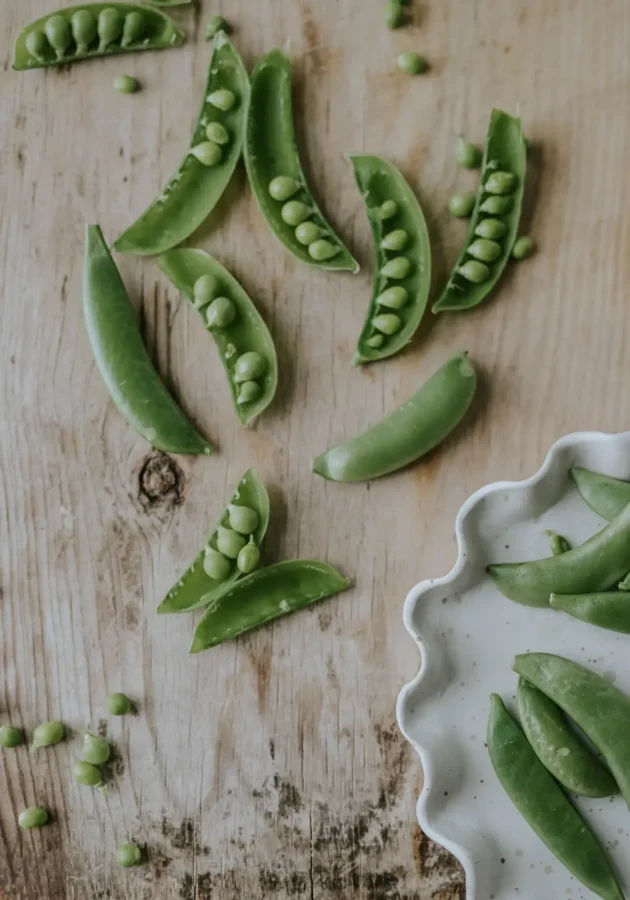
<point x="523" y="247"/>
<point x="393" y="297"/>
<point x="283" y="188"/>
<point x="110" y="27"/>
<point x="461" y="204"/>
<point x="387" y="210"/>
<point x="322" y="250"/>
<point x="243" y="519"/>
<point x="484" y="250"/>
<point x="47" y="734"/>
<point x="496" y="206"/>
<point x="220" y="313"/>
<point x="229" y="542"/>
<point x="249" y="366"/>
<point x="216" y="565"/>
<point x="33" y="817"/>
<point x="492" y="229"/>
<point x="10" y="737"/>
<point x="376" y="341"/>
<point x="58" y="33"/>
<point x="133" y="28"/>
<point x="467" y="155"/>
<point x="249" y="391"/>
<point x="217" y="133"/>
<point x="222" y="99"/>
<point x="83" y="29"/>
<point x="207" y="153"/>
<point x="204" y="290"/>
<point x="128" y="855"/>
<point x="37" y="44"/>
<point x="398" y="267"/>
<point x="387" y="323"/>
<point x="500" y="183"/>
<point x="295" y="212"/>
<point x="412" y="63"/>
<point x="474" y="271"/>
<point x="393" y="13"/>
<point x="395" y="240"/>
<point x="87" y="774"/>
<point x="214" y="25"/>
<point x="308" y="232"/>
<point x="248" y="558"/>
<point x="95" y="749"/>
<point x="125" y="84"/>
<point x="118" y="704"/>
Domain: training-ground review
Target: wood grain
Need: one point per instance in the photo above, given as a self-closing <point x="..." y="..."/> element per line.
<point x="272" y="767"/>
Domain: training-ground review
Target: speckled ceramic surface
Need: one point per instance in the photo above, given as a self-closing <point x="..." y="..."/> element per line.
<point x="468" y="635"/>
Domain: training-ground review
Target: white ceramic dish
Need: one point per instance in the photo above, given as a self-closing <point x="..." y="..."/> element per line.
<point x="468" y="635"/>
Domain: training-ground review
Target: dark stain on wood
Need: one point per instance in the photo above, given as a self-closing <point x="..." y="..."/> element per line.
<point x="160" y="483"/>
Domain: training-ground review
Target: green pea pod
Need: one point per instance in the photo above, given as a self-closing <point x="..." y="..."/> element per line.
<point x="195" y="588"/>
<point x="33" y="49"/>
<point x="609" y="609"/>
<point x="271" y="152"/>
<point x="594" y="566"/>
<point x="600" y="709"/>
<point x="194" y="190"/>
<point x="264" y="596"/>
<point x="409" y="432"/>
<point x="245" y="333"/>
<point x="558" y="746"/>
<point x="505" y="151"/>
<point x="605" y="495"/>
<point x="544" y="805"/>
<point x="168" y="2"/>
<point x="379" y="181"/>
<point x="132" y="382"/>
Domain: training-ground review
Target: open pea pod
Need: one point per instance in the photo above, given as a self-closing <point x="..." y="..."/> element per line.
<point x="215" y="148"/>
<point x="239" y="331"/>
<point x="605" y="495"/>
<point x="93" y="30"/>
<point x="402" y="277"/>
<point x="196" y="588"/>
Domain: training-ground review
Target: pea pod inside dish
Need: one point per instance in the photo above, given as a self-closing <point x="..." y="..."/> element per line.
<point x="605" y="495"/>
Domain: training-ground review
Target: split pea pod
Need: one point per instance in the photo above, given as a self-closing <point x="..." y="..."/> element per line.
<point x="607" y="609"/>
<point x="605" y="495"/>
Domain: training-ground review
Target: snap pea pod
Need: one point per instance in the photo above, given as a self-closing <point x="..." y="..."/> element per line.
<point x="499" y="199"/>
<point x="609" y="609"/>
<point x="275" y="172"/>
<point x="132" y="382"/>
<point x="544" y="805"/>
<point x="594" y="566"/>
<point x="402" y="301"/>
<point x="235" y="324"/>
<point x="599" y="708"/>
<point x="264" y="596"/>
<point x="558" y="746"/>
<point x="93" y="30"/>
<point x="194" y="190"/>
<point x="196" y="588"/>
<point x="605" y="495"/>
<point x="168" y="2"/>
<point x="409" y="432"/>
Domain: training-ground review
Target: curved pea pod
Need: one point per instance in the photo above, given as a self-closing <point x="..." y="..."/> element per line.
<point x="195" y="588"/>
<point x="264" y="596"/>
<point x="559" y="747"/>
<point x="608" y="609"/>
<point x="380" y="181"/>
<point x="194" y="190"/>
<point x="544" y="805"/>
<point x="33" y="50"/>
<point x="593" y="566"/>
<point x="132" y="382"/>
<point x="605" y="495"/>
<point x="271" y="152"/>
<point x="247" y="332"/>
<point x="409" y="432"/>
<point x="505" y="151"/>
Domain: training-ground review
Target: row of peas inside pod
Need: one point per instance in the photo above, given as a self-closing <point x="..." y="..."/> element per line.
<point x="234" y="543"/>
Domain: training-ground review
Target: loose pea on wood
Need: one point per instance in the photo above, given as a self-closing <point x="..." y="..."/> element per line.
<point x="87" y="774"/>
<point x="393" y="13"/>
<point x="118" y="704"/>
<point x="214" y="25"/>
<point x="95" y="749"/>
<point x="461" y="204"/>
<point x="125" y="84"/>
<point x="412" y="63"/>
<point x="10" y="737"/>
<point x="523" y="247"/>
<point x="467" y="155"/>
<point x="128" y="855"/>
<point x="33" y="817"/>
<point x="47" y="734"/>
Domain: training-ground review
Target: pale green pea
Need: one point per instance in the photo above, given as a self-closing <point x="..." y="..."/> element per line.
<point x="249" y="391"/>
<point x="393" y="297"/>
<point x="412" y="63"/>
<point x="243" y="519"/>
<point x="203" y="290"/>
<point x="387" y="210"/>
<point x="283" y="188"/>
<point x="87" y="774"/>
<point x="10" y="737"/>
<point x="216" y="565"/>
<point x="229" y="542"/>
<point x="248" y="558"/>
<point x="222" y="99"/>
<point x="33" y="817"/>
<point x="307" y="232"/>
<point x="58" y="33"/>
<point x="220" y="313"/>
<point x="387" y="323"/>
<point x="523" y="247"/>
<point x="322" y="250"/>
<point x="110" y="27"/>
<point x="217" y="133"/>
<point x="208" y="153"/>
<point x="461" y="204"/>
<point x="398" y="267"/>
<point x="95" y="749"/>
<point x="214" y="25"/>
<point x="395" y="240"/>
<point x="125" y="84"/>
<point x="376" y="341"/>
<point x="467" y="155"/>
<point x="484" y="250"/>
<point x="37" y="44"/>
<point x="83" y="29"/>
<point x="128" y="855"/>
<point x="474" y="271"/>
<point x="500" y="183"/>
<point x="393" y="13"/>
<point x="295" y="212"/>
<point x="118" y="704"/>
<point x="133" y="28"/>
<point x="249" y="366"/>
<point x="496" y="206"/>
<point x="491" y="229"/>
<point x="47" y="734"/>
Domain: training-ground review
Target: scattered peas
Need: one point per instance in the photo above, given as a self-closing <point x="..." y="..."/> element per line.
<point x="83" y="26"/>
<point x="95" y="749"/>
<point x="203" y="290"/>
<point x="249" y="391"/>
<point x="248" y="558"/>
<point x="125" y="84"/>
<point x="393" y="297"/>
<point x="387" y="323"/>
<point x="412" y="63"/>
<point x="523" y="247"/>
<point x="33" y="817"/>
<point x="283" y="188"/>
<point x="249" y="366"/>
<point x="58" y="34"/>
<point x="229" y="542"/>
<point x="500" y="183"/>
<point x="492" y="229"/>
<point x="87" y="774"/>
<point x="496" y="206"/>
<point x="220" y="313"/>
<point x="467" y="155"/>
<point x="216" y="565"/>
<point x="474" y="271"/>
<point x="214" y="25"/>
<point x="10" y="737"/>
<point x="217" y="133"/>
<point x="128" y="855"/>
<point x="307" y="232"/>
<point x="36" y="43"/>
<point x="398" y="267"/>
<point x="295" y="212"/>
<point x="485" y="251"/>
<point x="133" y="28"/>
<point x="208" y="153"/>
<point x="47" y="734"/>
<point x="243" y="519"/>
<point x="118" y="704"/>
<point x="376" y="341"/>
<point x="395" y="240"/>
<point x="393" y="13"/>
<point x="387" y="210"/>
<point x="461" y="204"/>
<point x="110" y="27"/>
<point x="222" y="99"/>
<point x="322" y="249"/>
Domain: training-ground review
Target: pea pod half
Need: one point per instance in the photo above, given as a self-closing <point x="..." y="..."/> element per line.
<point x="93" y="30"/>
<point x="275" y="172"/>
<point x="398" y="303"/>
<point x="132" y="382"/>
<point x="605" y="495"/>
<point x="196" y="588"/>
<point x="215" y="148"/>
<point x="610" y="609"/>
<point x="497" y="212"/>
<point x="264" y="596"/>
<point x="596" y="565"/>
<point x="244" y="342"/>
<point x="544" y="805"/>
<point x="409" y="432"/>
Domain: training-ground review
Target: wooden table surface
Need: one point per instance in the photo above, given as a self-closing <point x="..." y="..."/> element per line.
<point x="272" y="766"/>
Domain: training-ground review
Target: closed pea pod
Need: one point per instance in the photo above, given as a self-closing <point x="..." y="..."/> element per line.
<point x="83" y="29"/>
<point x="605" y="495"/>
<point x="606" y="609"/>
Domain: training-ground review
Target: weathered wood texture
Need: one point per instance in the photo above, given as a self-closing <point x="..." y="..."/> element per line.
<point x="272" y="767"/>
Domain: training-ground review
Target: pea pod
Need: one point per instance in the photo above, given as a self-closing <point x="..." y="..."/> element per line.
<point x="504" y="166"/>
<point x="406" y="231"/>
<point x="194" y="190"/>
<point x="264" y="596"/>
<point x="124" y="363"/>
<point x="610" y="609"/>
<point x="409" y="432"/>
<point x="236" y="338"/>
<point x="594" y="566"/>
<point x="275" y="172"/>
<point x="558" y="746"/>
<point x="195" y="588"/>
<point x="605" y="495"/>
<point x="71" y="34"/>
<point x="544" y="805"/>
